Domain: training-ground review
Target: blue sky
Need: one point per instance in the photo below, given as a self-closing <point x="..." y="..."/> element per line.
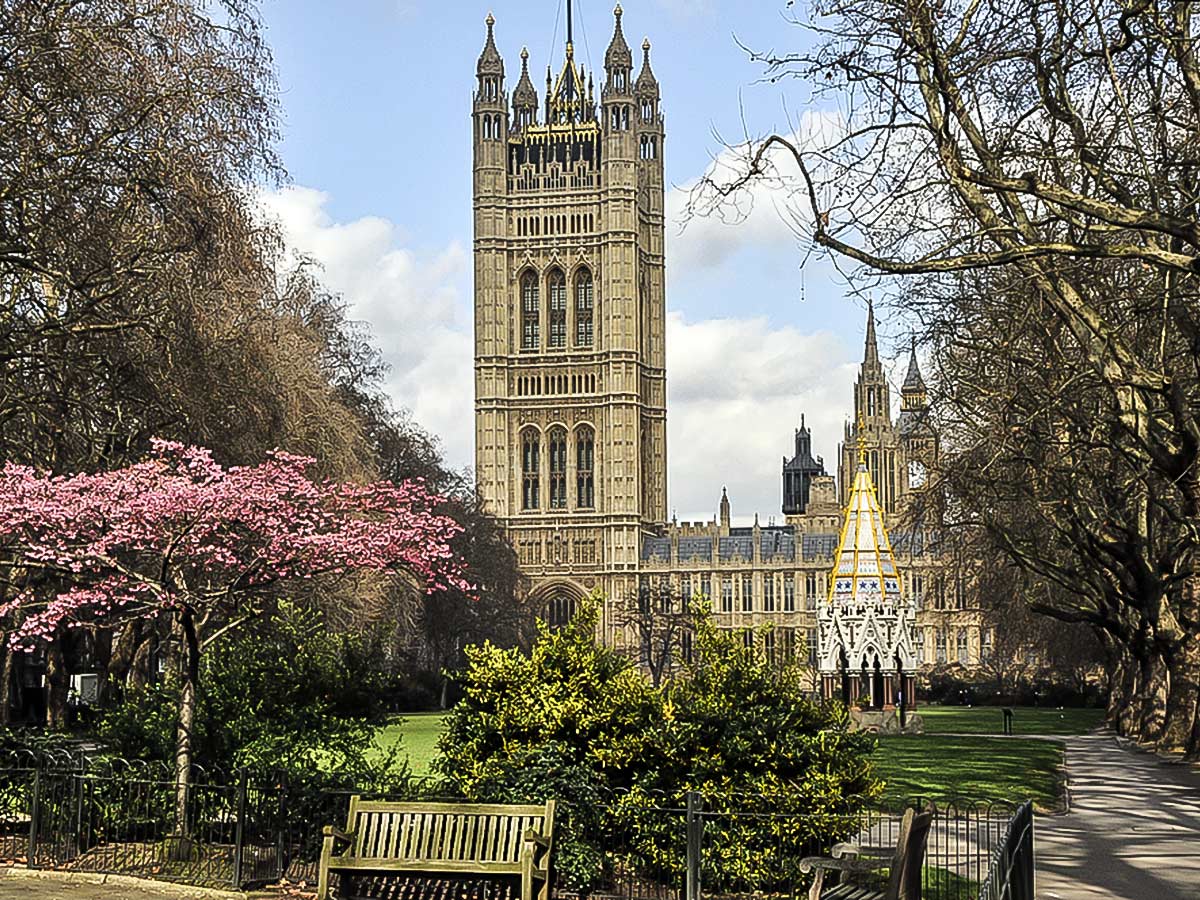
<point x="376" y="104"/>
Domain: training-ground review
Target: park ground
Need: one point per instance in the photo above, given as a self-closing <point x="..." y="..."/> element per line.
<point x="962" y="753"/>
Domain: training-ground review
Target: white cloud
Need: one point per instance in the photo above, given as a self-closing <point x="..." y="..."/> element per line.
<point x="411" y="300"/>
<point x="705" y="228"/>
<point x="736" y="389"/>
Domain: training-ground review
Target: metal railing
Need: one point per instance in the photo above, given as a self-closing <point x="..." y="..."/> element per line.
<point x="1011" y="874"/>
<point x="243" y="828"/>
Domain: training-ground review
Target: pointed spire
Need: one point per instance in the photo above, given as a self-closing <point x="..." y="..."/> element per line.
<point x="647" y="84"/>
<point x="524" y="94"/>
<point x="490" y="61"/>
<point x="913" y="382"/>
<point x="871" y="354"/>
<point x="618" y="55"/>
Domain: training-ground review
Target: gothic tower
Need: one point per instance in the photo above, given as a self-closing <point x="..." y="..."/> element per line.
<point x="570" y="306"/>
<point x="873" y="428"/>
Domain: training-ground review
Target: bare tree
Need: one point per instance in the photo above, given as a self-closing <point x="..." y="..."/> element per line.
<point x="661" y="623"/>
<point x="1031" y="168"/>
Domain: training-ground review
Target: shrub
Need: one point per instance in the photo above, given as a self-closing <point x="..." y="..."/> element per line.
<point x="281" y="694"/>
<point x="574" y="721"/>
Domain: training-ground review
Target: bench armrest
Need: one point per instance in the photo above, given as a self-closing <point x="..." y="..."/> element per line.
<point x="532" y="837"/>
<point x="337" y="834"/>
<point x="810" y="863"/>
<point x="841" y="851"/>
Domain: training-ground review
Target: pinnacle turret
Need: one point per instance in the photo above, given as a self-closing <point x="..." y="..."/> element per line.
<point x="647" y="84"/>
<point x="913" y="382"/>
<point x="490" y="61"/>
<point x="524" y="98"/>
<point x="618" y="58"/>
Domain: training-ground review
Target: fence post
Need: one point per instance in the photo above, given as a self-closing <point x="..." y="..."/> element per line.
<point x="239" y="829"/>
<point x="1028" y="875"/>
<point x="35" y="815"/>
<point x="695" y="834"/>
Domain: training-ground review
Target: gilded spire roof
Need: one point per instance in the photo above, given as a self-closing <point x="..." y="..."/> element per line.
<point x="490" y="61"/>
<point x="618" y="55"/>
<point x="865" y="571"/>
<point x="524" y="94"/>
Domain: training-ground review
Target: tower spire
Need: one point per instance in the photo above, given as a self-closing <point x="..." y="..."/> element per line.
<point x="570" y="27"/>
<point x="871" y="354"/>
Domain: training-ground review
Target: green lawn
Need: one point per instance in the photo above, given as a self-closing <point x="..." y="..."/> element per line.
<point x="974" y="768"/>
<point x="934" y="764"/>
<point x="1026" y="720"/>
<point x="418" y="734"/>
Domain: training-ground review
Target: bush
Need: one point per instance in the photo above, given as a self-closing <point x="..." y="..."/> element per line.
<point x="281" y="695"/>
<point x="573" y="720"/>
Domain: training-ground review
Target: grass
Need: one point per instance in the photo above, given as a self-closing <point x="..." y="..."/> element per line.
<point x="936" y="764"/>
<point x="1026" y="720"/>
<point x="417" y="734"/>
<point x="974" y="768"/>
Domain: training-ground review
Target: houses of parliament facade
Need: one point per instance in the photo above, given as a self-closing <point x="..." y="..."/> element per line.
<point x="570" y="385"/>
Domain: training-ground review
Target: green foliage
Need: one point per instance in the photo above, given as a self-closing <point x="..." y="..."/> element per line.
<point x="280" y="694"/>
<point x="573" y="720"/>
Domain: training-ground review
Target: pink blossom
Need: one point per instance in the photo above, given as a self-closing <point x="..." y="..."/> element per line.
<point x="179" y="529"/>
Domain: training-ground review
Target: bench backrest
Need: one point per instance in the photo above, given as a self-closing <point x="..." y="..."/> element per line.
<point x="904" y="882"/>
<point x="450" y="832"/>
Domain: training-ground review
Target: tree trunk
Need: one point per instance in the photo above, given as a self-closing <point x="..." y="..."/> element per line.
<point x="58" y="683"/>
<point x="6" y="681"/>
<point x="185" y="723"/>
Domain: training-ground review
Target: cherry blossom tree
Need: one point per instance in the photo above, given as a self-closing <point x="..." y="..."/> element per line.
<point x="180" y="536"/>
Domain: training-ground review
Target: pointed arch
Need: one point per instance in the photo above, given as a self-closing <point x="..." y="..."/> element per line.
<point x="531" y="311"/>
<point x="531" y="463"/>
<point x="556" y="283"/>
<point x="585" y="467"/>
<point x="584" y="307"/>
<point x="557" y="443"/>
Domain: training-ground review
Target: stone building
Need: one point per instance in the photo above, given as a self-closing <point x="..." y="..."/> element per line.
<point x="570" y="382"/>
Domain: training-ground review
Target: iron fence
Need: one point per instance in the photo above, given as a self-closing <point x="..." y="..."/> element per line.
<point x="242" y="829"/>
<point x="1011" y="874"/>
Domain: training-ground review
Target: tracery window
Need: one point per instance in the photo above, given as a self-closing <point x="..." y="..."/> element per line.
<point x="789" y="593"/>
<point x="530" y="312"/>
<point x="961" y="650"/>
<point x="727" y="594"/>
<point x="584" y="308"/>
<point x="558" y="309"/>
<point x="585" y="468"/>
<point x="558" y="468"/>
<point x="768" y="592"/>
<point x="747" y="592"/>
<point x="531" y="451"/>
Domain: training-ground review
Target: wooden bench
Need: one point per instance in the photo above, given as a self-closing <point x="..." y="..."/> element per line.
<point x="904" y="862"/>
<point x="452" y="840"/>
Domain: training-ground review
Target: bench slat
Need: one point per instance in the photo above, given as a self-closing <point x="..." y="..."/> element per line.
<point x="384" y="864"/>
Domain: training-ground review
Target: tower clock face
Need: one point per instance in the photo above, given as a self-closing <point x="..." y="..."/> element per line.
<point x="916" y="474"/>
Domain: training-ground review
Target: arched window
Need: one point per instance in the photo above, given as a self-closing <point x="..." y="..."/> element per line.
<point x="558" y="468"/>
<point x="560" y="610"/>
<point x="585" y="468"/>
<point x="558" y="309"/>
<point x="584" y="306"/>
<point x="531" y="453"/>
<point x="530" y="312"/>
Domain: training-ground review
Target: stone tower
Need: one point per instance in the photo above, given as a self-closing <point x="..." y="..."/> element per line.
<point x="799" y="472"/>
<point x="875" y="431"/>
<point x="570" y="304"/>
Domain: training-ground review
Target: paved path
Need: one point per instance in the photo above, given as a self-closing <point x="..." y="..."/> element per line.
<point x="23" y="884"/>
<point x="1133" y="832"/>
